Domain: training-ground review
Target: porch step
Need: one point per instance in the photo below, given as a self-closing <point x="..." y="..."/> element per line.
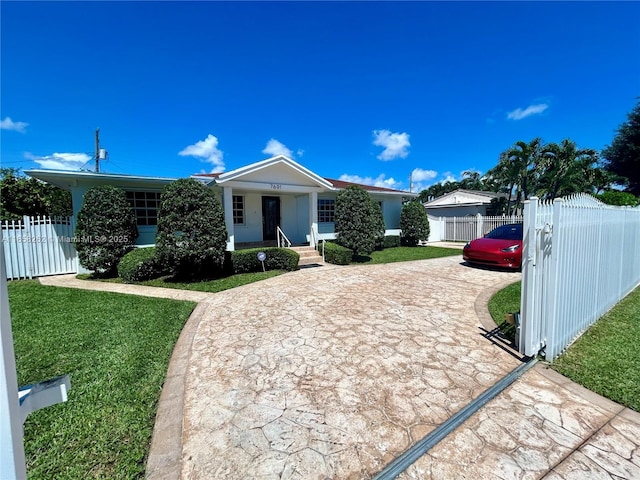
<point x="308" y="255"/>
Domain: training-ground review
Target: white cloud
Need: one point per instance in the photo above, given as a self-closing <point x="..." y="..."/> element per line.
<point x="275" y="148"/>
<point x="395" y="144"/>
<point x="420" y="179"/>
<point x="8" y="124"/>
<point x="420" y="175"/>
<point x="300" y="152"/>
<point x="61" y="161"/>
<point x="379" y="181"/>
<point x="449" y="178"/>
<point x="207" y="151"/>
<point x="519" y="113"/>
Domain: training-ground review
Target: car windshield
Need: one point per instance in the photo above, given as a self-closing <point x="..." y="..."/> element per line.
<point x="507" y="232"/>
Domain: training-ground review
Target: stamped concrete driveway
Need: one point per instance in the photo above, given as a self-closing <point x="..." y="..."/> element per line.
<point x="330" y="372"/>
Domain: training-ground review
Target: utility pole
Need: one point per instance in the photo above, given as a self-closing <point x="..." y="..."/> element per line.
<point x="97" y="150"/>
<point x="411" y="182"/>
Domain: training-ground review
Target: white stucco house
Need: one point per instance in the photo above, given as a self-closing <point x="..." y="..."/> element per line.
<point x="257" y="199"/>
<point x="461" y="203"/>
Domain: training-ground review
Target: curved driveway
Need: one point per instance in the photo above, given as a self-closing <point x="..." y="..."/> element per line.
<point x="332" y="372"/>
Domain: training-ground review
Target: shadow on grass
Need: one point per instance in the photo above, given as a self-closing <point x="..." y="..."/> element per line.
<point x="361" y="259"/>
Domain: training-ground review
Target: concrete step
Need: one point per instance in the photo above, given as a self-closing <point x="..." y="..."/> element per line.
<point x="310" y="260"/>
<point x="308" y="255"/>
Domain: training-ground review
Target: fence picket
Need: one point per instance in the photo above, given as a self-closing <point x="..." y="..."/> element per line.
<point x="39" y="246"/>
<point x="587" y="262"/>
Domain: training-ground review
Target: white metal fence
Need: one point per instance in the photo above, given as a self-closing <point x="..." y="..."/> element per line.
<point x="465" y="229"/>
<point x="38" y="246"/>
<point x="580" y="257"/>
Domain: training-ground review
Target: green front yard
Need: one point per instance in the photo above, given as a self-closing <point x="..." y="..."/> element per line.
<point x="405" y="254"/>
<point x="116" y="349"/>
<point x="605" y="358"/>
<point x="211" y="286"/>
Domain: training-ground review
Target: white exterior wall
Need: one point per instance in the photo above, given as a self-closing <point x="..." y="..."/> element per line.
<point x="302" y="206"/>
<point x="458" y="211"/>
<point x="251" y="231"/>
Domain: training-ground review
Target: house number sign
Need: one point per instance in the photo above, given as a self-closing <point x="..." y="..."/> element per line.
<point x="276" y="186"/>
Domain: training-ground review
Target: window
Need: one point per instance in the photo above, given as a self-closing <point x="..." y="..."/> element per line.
<point x="238" y="210"/>
<point x="326" y="210"/>
<point x="145" y="205"/>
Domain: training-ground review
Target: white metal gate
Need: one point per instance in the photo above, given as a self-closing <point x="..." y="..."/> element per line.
<point x="39" y="246"/>
<point x="580" y="257"/>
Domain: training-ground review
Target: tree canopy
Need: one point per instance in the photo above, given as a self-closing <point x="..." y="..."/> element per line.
<point x="622" y="157"/>
<point x="21" y="195"/>
<point x="534" y="168"/>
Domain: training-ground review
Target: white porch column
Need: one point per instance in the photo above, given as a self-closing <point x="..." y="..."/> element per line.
<point x="313" y="216"/>
<point x="227" y="198"/>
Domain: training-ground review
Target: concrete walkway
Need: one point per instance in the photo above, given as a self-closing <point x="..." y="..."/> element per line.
<point x="332" y="372"/>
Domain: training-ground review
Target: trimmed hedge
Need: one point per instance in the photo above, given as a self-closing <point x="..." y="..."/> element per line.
<point x="337" y="254"/>
<point x="391" y="241"/>
<point x="140" y="264"/>
<point x="245" y="261"/>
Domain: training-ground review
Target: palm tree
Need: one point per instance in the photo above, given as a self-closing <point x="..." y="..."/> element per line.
<point x="471" y="180"/>
<point x="565" y="169"/>
<point x="525" y="157"/>
<point x="503" y="177"/>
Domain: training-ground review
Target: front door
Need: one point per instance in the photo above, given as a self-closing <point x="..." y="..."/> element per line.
<point x="270" y="217"/>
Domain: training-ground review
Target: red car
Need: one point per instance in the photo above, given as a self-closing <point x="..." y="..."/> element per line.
<point x="501" y="247"/>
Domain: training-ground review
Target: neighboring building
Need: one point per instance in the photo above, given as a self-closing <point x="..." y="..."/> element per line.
<point x="257" y="198"/>
<point x="460" y="203"/>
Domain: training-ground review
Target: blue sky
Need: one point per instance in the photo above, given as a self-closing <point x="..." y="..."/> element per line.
<point x="365" y="91"/>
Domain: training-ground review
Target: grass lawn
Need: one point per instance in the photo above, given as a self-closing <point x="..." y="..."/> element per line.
<point x="404" y="254"/>
<point x="605" y="358"/>
<point x="505" y="301"/>
<point x="116" y="349"/>
<point x="211" y="286"/>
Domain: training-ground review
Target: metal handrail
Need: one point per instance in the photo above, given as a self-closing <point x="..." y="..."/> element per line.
<point x="315" y="238"/>
<point x="280" y="234"/>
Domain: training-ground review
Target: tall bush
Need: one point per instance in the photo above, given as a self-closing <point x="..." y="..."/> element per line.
<point x="414" y="223"/>
<point x="105" y="229"/>
<point x="379" y="227"/>
<point x="355" y="223"/>
<point x="192" y="236"/>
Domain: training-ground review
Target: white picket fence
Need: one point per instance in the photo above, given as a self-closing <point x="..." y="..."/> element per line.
<point x="465" y="229"/>
<point x="39" y="246"/>
<point x="580" y="257"/>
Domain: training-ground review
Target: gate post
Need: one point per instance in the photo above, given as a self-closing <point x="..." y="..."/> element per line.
<point x="527" y="344"/>
<point x="12" y="461"/>
<point x="479" y="225"/>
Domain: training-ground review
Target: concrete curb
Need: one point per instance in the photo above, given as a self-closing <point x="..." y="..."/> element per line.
<point x="165" y="453"/>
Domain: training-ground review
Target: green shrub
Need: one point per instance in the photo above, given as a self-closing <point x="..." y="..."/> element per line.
<point x="391" y="241"/>
<point x="192" y="236"/>
<point x="414" y="223"/>
<point x="379" y="227"/>
<point x="245" y="261"/>
<point x="105" y="229"/>
<point x="355" y="223"/>
<point x="140" y="264"/>
<point x="615" y="197"/>
<point x="337" y="254"/>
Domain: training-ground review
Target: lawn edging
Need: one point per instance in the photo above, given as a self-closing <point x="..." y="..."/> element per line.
<point x="481" y="305"/>
<point x="165" y="453"/>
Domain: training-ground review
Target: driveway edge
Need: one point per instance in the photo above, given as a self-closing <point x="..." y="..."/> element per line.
<point x="481" y="304"/>
<point x="165" y="454"/>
